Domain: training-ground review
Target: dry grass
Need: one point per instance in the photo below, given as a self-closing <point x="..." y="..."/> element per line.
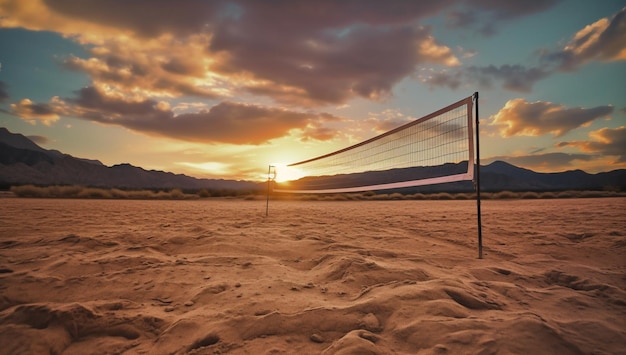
<point x="509" y="195"/>
<point x="179" y="194"/>
<point x="97" y="193"/>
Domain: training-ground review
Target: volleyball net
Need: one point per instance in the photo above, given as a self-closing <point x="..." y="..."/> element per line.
<point x="435" y="149"/>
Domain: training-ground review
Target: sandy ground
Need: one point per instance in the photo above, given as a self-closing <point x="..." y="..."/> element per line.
<point x="379" y="277"/>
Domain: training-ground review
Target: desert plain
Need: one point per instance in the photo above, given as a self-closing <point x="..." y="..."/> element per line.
<point x="218" y="276"/>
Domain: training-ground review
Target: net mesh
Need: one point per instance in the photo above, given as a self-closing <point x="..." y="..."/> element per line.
<point x="437" y="148"/>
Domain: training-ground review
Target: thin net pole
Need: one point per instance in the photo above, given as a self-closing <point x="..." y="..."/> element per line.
<point x="477" y="183"/>
<point x="437" y="148"/>
<point x="271" y="175"/>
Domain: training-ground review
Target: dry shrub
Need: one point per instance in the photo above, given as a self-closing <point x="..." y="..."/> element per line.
<point x="177" y="194"/>
<point x="47" y="192"/>
<point x="52" y="191"/>
<point x="117" y="193"/>
<point x="506" y="195"/>
<point x="141" y="194"/>
<point x="366" y="196"/>
<point x="27" y="191"/>
<point x="530" y="195"/>
<point x="441" y="196"/>
<point x="548" y="194"/>
<point x="568" y="194"/>
<point x="464" y="196"/>
<point x="396" y="196"/>
<point x="90" y="192"/>
<point x="161" y="194"/>
<point x="65" y="191"/>
<point x="588" y="194"/>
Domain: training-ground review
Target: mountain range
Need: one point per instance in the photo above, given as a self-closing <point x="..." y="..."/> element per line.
<point x="24" y="162"/>
<point x="497" y="176"/>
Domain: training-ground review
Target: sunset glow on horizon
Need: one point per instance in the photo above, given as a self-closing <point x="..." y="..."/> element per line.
<point x="285" y="173"/>
<point x="222" y="89"/>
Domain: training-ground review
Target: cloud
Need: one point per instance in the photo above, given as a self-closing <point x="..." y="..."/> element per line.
<point x="387" y="120"/>
<point x="486" y="15"/>
<point x="519" y="117"/>
<point x="601" y="41"/>
<point x="90" y="20"/>
<point x="283" y="50"/>
<point x="140" y="67"/>
<point x="226" y="122"/>
<point x="31" y="112"/>
<point x="516" y="78"/>
<point x="4" y="94"/>
<point x="317" y="132"/>
<point x="605" y="147"/>
<point x="452" y="79"/>
<point x="326" y="67"/>
<point x="140" y="17"/>
<point x="605" y="141"/>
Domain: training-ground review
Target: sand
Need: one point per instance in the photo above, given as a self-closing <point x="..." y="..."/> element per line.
<point x="318" y="277"/>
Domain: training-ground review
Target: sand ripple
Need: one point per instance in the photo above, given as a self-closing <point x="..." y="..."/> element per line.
<point x="318" y="277"/>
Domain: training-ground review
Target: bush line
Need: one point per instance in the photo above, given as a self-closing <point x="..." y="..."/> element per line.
<point x="178" y="194"/>
<point x="114" y="193"/>
<point x="501" y="195"/>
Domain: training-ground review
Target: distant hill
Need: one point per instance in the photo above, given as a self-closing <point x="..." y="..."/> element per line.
<point x="497" y="176"/>
<point x="24" y="162"/>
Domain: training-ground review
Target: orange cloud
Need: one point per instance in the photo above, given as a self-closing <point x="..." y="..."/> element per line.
<point x="430" y="49"/>
<point x="519" y="117"/>
<point x="214" y="49"/>
<point x="387" y="120"/>
<point x="318" y="67"/>
<point x="145" y="67"/>
<point x="90" y="21"/>
<point x="600" y="41"/>
<point x="603" y="40"/>
<point x="34" y="112"/>
<point x="226" y="122"/>
<point x="606" y="141"/>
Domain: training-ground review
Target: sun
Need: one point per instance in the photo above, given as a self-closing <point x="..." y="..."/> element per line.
<point x="286" y="173"/>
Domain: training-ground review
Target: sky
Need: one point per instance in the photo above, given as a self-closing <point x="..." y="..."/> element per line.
<point x="222" y="89"/>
